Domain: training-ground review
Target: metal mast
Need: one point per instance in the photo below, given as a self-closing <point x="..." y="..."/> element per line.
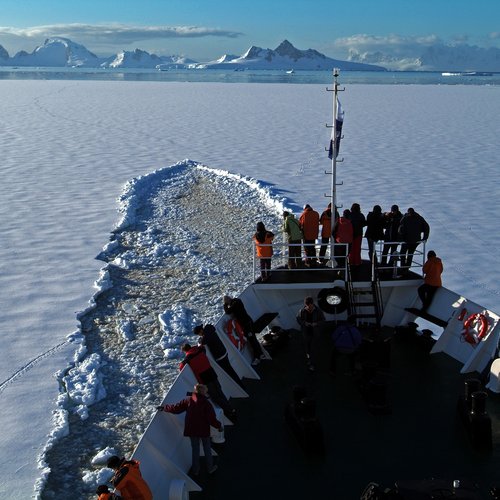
<point x="333" y="148"/>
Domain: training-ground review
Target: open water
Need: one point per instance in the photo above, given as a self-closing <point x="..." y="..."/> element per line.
<point x="245" y="76"/>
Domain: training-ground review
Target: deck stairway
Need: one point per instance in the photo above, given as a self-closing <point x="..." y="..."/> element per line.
<point x="365" y="304"/>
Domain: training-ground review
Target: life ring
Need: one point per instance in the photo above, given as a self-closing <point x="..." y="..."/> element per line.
<point x="333" y="300"/>
<point x="236" y="334"/>
<point x="475" y="323"/>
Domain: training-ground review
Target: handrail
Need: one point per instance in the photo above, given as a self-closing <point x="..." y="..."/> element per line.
<point x="417" y="257"/>
<point x="280" y="251"/>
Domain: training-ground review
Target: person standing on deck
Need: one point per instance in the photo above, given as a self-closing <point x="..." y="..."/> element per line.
<point x="346" y="340"/>
<point x="358" y="222"/>
<point x="433" y="268"/>
<point x="309" y="318"/>
<point x="343" y="234"/>
<point x="200" y="365"/>
<point x="375" y="224"/>
<point x="235" y="308"/>
<point x="326" y="231"/>
<point x="264" y="248"/>
<point x="309" y="223"/>
<point x="292" y="229"/>
<point x="128" y="479"/>
<point x="391" y="236"/>
<point x="208" y="337"/>
<point x="200" y="415"/>
<point x="413" y="229"/>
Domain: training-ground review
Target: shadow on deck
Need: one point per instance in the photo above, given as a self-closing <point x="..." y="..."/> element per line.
<point x="418" y="436"/>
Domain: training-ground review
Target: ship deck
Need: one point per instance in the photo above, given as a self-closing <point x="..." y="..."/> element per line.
<point x="416" y="435"/>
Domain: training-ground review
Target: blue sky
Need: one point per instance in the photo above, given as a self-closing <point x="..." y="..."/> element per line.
<point x="206" y="29"/>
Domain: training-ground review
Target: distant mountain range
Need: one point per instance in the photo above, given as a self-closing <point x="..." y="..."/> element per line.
<point x="62" y="52"/>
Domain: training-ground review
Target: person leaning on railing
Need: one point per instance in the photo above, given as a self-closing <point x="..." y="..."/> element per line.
<point x="391" y="236"/>
<point x="413" y="229"/>
<point x="309" y="223"/>
<point x="200" y="415"/>
<point x="264" y="247"/>
<point x="292" y="229"/>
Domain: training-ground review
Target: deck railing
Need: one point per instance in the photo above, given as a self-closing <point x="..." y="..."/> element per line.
<point x="392" y="263"/>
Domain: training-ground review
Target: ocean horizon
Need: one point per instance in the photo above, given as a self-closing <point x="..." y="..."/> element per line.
<point x="248" y="75"/>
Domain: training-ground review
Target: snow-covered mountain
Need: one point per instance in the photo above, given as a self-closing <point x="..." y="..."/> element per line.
<point x="438" y="57"/>
<point x="286" y="56"/>
<point x="4" y="55"/>
<point x="56" y="52"/>
<point x="132" y="59"/>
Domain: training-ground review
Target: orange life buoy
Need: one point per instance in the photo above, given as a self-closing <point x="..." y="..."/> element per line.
<point x="236" y="334"/>
<point x="475" y="323"/>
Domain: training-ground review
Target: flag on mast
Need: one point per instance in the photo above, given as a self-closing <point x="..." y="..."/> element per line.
<point x="339" y="120"/>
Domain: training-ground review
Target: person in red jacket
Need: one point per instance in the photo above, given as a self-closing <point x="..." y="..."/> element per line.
<point x="326" y="231"/>
<point x="343" y="234"/>
<point x="433" y="268"/>
<point x="309" y="223"/>
<point x="128" y="479"/>
<point x="198" y="361"/>
<point x="200" y="415"/>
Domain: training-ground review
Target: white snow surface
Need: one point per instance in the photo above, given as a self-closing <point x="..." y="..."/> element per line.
<point x="71" y="149"/>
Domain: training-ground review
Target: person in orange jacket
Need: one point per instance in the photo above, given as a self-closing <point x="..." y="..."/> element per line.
<point x="309" y="223"/>
<point x="263" y="245"/>
<point x="128" y="479"/>
<point x="433" y="268"/>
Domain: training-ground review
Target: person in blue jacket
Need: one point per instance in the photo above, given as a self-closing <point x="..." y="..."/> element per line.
<point x="346" y="341"/>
